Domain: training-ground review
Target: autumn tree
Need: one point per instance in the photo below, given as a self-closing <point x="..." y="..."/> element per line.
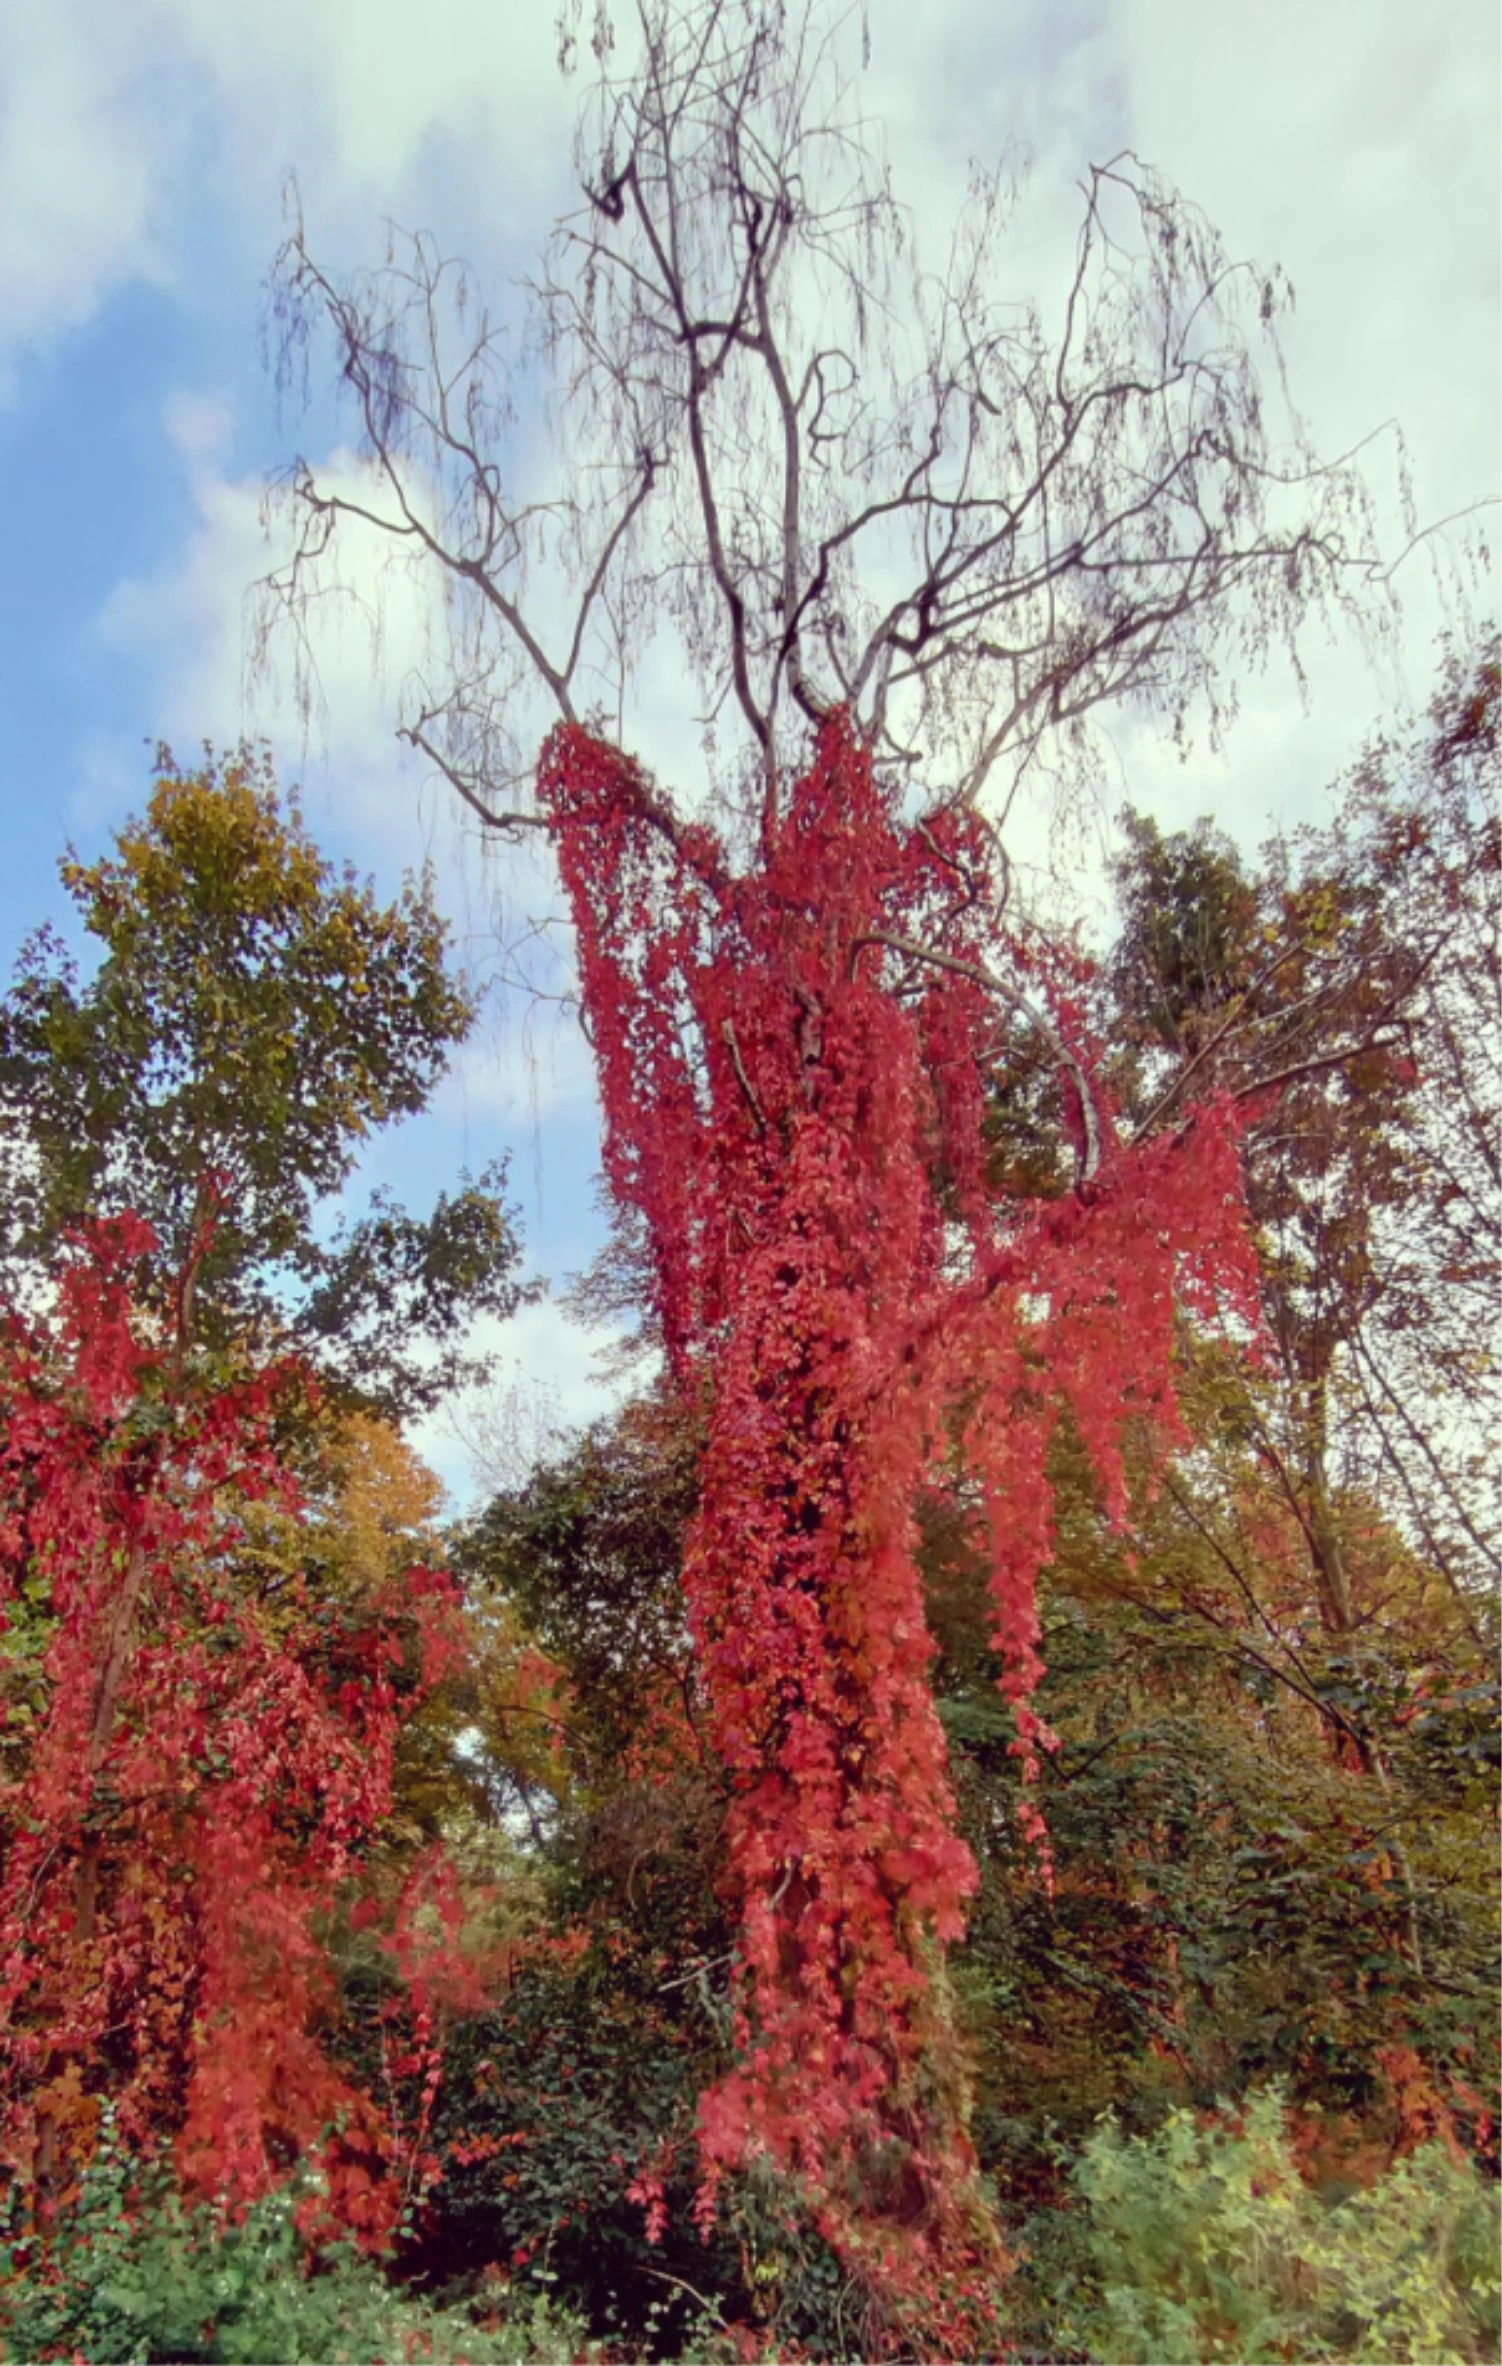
<point x="193" y="1765"/>
<point x="909" y="542"/>
<point x="230" y="1664"/>
<point x="252" y="1018"/>
<point x="1346" y="991"/>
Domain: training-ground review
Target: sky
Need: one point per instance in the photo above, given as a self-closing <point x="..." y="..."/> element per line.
<point x="145" y="154"/>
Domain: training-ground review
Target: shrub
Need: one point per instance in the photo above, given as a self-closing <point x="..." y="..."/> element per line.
<point x="132" y="2273"/>
<point x="1203" y="2243"/>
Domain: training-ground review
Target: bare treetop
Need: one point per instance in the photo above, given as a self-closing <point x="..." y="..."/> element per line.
<point x="830" y="473"/>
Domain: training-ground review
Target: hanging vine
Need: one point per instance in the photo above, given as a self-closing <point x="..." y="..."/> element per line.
<point x="193" y="1774"/>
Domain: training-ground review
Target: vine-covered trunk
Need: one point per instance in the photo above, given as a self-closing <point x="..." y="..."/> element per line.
<point x="794" y="1064"/>
<point x="808" y="1613"/>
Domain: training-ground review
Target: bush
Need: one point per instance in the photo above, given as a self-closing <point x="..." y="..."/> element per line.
<point x="1203" y="2243"/>
<point x="132" y="2273"/>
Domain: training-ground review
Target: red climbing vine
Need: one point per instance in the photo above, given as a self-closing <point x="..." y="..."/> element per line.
<point x="191" y="1769"/>
<point x="794" y="1060"/>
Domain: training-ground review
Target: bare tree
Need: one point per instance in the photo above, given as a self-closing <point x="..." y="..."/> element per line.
<point x="831" y="474"/>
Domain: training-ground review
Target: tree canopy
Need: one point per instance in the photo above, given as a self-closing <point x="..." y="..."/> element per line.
<point x="252" y="1018"/>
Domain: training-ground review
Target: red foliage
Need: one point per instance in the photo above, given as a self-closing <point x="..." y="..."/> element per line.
<point x="796" y="1104"/>
<point x="200" y="1774"/>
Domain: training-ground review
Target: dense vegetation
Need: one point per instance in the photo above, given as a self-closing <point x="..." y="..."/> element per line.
<point x="375" y="1899"/>
<point x="961" y="1823"/>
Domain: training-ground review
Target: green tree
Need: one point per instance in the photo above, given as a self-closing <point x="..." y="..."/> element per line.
<point x="253" y="1018"/>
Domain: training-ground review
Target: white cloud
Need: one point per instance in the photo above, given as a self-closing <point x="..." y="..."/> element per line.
<point x="526" y="1066"/>
<point x="1354" y="143"/>
<point x="366" y="90"/>
<point x="192" y="629"/>
<point x="329" y="711"/>
<point x="82" y="178"/>
<point x="1357" y="145"/>
<point x="549" y="1383"/>
<point x="199" y="425"/>
<point x="123" y="126"/>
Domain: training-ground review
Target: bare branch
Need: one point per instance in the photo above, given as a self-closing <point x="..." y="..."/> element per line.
<point x="831" y="477"/>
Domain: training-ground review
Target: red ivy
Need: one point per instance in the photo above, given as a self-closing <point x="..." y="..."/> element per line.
<point x="198" y="1777"/>
<point x="796" y="1107"/>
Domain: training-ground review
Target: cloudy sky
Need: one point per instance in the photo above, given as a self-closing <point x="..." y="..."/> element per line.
<point x="144" y="151"/>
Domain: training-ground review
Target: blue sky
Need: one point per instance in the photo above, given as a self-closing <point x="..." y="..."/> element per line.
<point x="144" y="146"/>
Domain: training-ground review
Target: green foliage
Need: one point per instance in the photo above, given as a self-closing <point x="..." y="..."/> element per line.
<point x="132" y="2274"/>
<point x="252" y="1018"/>
<point x="1237" y="1894"/>
<point x="556" y="2112"/>
<point x="589" y="1553"/>
<point x="1189" y="927"/>
<point x="1202" y="2242"/>
<point x="587" y="2074"/>
<point x="1269" y="1814"/>
<point x="1225" y="1905"/>
<point x="551" y="2109"/>
<point x="392" y="1278"/>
